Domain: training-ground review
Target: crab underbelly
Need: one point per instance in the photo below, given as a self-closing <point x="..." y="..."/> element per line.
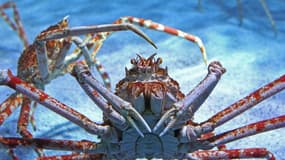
<point x="150" y="146"/>
<point x="151" y="107"/>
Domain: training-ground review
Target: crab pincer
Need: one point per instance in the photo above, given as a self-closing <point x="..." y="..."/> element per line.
<point x="123" y="107"/>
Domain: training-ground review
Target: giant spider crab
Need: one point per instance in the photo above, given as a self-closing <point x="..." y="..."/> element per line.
<point x="148" y="116"/>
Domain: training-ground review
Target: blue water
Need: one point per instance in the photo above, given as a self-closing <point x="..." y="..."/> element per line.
<point x="252" y="54"/>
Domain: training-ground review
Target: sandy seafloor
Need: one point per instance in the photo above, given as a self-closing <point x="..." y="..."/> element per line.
<point x="251" y="53"/>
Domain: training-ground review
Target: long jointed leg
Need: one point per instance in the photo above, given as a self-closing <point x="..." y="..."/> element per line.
<point x="123" y="107"/>
<point x="248" y="130"/>
<point x="234" y="153"/>
<point x="103" y="73"/>
<point x="115" y="117"/>
<point x="81" y="45"/>
<point x="160" y="27"/>
<point x="6" y="78"/>
<point x="24" y="120"/>
<point x="155" y="26"/>
<point x="76" y="156"/>
<point x="17" y="26"/>
<point x="95" y="46"/>
<point x="184" y="110"/>
<point x="62" y="145"/>
<point x="245" y="131"/>
<point x="244" y="104"/>
<point x="77" y="31"/>
<point x="268" y="14"/>
<point x="9" y="105"/>
<point x="90" y="62"/>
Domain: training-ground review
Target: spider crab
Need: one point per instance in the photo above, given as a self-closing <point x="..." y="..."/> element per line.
<point x="149" y="117"/>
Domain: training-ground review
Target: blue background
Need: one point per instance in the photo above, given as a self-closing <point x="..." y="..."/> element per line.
<point x="251" y="53"/>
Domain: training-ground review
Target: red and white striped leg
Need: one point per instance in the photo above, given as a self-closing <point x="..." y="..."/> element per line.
<point x="9" y="105"/>
<point x="234" y="153"/>
<point x="24" y="120"/>
<point x="247" y="130"/>
<point x="212" y="134"/>
<point x="7" y="78"/>
<point x="63" y="145"/>
<point x="105" y="76"/>
<point x="7" y="108"/>
<point x="18" y="27"/>
<point x="76" y="156"/>
<point x="244" y="104"/>
<point x="98" y="38"/>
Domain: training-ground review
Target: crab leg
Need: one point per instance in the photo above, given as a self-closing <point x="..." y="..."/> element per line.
<point x="81" y="45"/>
<point x="248" y="130"/>
<point x="76" y="156"/>
<point x="23" y="122"/>
<point x="77" y="53"/>
<point x="84" y="49"/>
<point x="113" y="115"/>
<point x="244" y="104"/>
<point x="234" y="153"/>
<point x="122" y="106"/>
<point x="6" y="78"/>
<point x="268" y="14"/>
<point x="64" y="145"/>
<point x="159" y="27"/>
<point x="155" y="26"/>
<point x="184" y="110"/>
<point x="24" y="118"/>
<point x="9" y="105"/>
<point x="60" y="62"/>
<point x="76" y="31"/>
<point x="103" y="73"/>
<point x="42" y="60"/>
<point x="18" y="27"/>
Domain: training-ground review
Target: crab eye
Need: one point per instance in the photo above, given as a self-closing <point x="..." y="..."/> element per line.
<point x="159" y="60"/>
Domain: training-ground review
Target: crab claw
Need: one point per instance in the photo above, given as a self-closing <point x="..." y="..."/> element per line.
<point x="183" y="110"/>
<point x="170" y="118"/>
<point x="122" y="106"/>
<point x="76" y="31"/>
<point x="133" y="116"/>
